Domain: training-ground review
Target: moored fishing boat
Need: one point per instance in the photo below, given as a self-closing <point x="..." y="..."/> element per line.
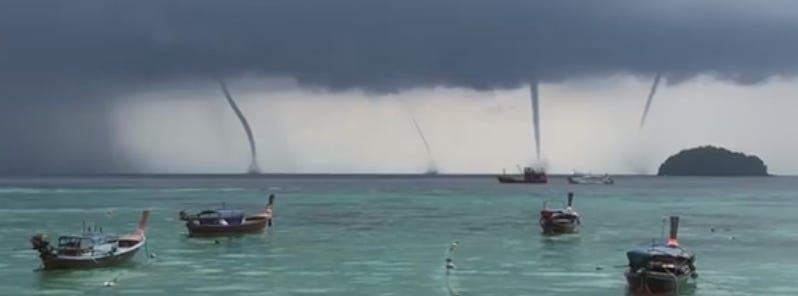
<point x="589" y="179"/>
<point x="559" y="221"/>
<point x="661" y="268"/>
<point x="91" y="248"/>
<point x="528" y="176"/>
<point x="221" y="222"/>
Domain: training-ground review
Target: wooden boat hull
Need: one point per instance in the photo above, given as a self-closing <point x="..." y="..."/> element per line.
<point x="75" y="262"/>
<point x="64" y="263"/>
<point x="656" y="283"/>
<point x="121" y="249"/>
<point x="558" y="228"/>
<point x="251" y="225"/>
<point x="517" y="180"/>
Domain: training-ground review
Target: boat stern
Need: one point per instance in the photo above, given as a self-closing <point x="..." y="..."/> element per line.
<point x="657" y="283"/>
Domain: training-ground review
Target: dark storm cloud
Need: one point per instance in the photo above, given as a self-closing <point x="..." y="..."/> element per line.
<point x="375" y="44"/>
<point x="62" y="136"/>
<point x="102" y="49"/>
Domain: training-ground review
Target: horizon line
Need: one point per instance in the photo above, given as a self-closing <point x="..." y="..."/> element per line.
<point x="260" y="175"/>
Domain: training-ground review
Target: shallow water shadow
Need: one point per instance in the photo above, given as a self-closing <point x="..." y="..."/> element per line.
<point x="686" y="290"/>
<point x="560" y="240"/>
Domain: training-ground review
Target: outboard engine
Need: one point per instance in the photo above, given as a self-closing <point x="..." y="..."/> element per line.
<point x="40" y="244"/>
<point x="184" y="216"/>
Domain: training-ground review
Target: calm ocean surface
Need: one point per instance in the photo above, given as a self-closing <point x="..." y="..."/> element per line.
<point x="388" y="236"/>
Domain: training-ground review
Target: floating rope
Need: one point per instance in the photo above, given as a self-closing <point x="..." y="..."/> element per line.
<point x="450" y="267"/>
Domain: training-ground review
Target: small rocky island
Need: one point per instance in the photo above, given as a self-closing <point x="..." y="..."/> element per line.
<point x="712" y="161"/>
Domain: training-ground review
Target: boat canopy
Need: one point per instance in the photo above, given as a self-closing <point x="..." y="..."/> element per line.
<point x="563" y="212"/>
<point x="214" y="217"/>
<point x="86" y="240"/>
<point x="642" y="256"/>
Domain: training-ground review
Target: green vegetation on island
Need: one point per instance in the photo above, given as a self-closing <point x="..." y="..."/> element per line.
<point x="712" y="161"/>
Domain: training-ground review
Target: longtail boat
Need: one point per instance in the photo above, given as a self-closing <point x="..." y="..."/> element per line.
<point x="661" y="268"/>
<point x="91" y="248"/>
<point x="559" y="221"/>
<point x="528" y="176"/>
<point x="222" y="222"/>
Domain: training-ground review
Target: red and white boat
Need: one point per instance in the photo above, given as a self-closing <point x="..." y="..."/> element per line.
<point x="223" y="222"/>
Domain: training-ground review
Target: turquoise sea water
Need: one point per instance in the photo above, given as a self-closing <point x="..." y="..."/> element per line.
<point x="388" y="236"/>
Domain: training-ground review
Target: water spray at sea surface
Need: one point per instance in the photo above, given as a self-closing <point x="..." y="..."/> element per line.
<point x="432" y="168"/>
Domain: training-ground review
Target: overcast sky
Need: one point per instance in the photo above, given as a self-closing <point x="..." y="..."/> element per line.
<point x="128" y="86"/>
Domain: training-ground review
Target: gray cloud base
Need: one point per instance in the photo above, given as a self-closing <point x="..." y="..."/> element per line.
<point x="374" y="44"/>
<point x="98" y="49"/>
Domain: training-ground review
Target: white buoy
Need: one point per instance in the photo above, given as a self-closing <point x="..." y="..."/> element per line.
<point x="109" y="284"/>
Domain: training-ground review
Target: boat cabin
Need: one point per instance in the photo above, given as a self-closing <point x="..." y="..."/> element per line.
<point x="565" y="210"/>
<point x="531" y="175"/>
<point x="662" y="258"/>
<point x="220" y="217"/>
<point x="86" y="244"/>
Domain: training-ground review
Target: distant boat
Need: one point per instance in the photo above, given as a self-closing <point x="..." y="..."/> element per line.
<point x="559" y="221"/>
<point x="589" y="179"/>
<point x="91" y="248"/>
<point x="221" y="222"/>
<point x="660" y="268"/>
<point x="528" y="176"/>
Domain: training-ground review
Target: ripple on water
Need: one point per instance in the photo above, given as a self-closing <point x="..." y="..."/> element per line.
<point x="255" y="273"/>
<point x="240" y="256"/>
<point x="49" y="292"/>
<point x="222" y="288"/>
<point x="314" y="290"/>
<point x="371" y="279"/>
<point x="563" y="274"/>
<point x="204" y="270"/>
<point x="50" y="212"/>
<point x="311" y="273"/>
<point x="605" y="282"/>
<point x="367" y="263"/>
<point x="138" y="291"/>
<point x="172" y="262"/>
